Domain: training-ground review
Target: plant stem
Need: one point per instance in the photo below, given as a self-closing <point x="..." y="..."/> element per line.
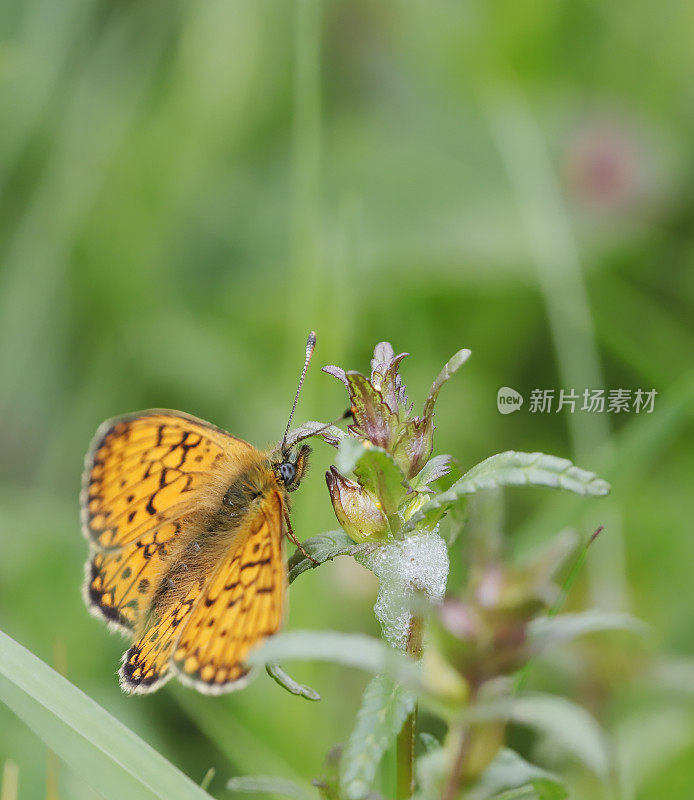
<point x="406" y="738"/>
<point x="450" y="790"/>
<point x="405" y="759"/>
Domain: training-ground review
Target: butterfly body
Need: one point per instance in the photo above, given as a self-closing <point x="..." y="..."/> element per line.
<point x="186" y="525"/>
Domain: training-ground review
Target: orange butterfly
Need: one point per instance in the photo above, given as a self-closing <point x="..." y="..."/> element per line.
<point x="186" y="526"/>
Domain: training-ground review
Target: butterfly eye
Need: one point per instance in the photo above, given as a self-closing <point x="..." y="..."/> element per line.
<point x="287" y="472"/>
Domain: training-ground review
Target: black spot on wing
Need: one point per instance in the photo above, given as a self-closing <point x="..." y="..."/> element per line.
<point x="96" y="600"/>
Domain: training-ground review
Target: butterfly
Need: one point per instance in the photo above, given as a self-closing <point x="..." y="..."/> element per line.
<point x="186" y="525"/>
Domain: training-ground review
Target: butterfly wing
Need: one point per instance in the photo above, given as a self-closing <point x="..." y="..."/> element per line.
<point x="141" y="467"/>
<point x="145" y="475"/>
<point x="146" y="664"/>
<point x="240" y="607"/>
<point x="119" y="583"/>
<point x="206" y="636"/>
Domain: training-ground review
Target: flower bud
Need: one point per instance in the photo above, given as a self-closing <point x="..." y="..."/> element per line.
<point x="380" y="409"/>
<point x="355" y="509"/>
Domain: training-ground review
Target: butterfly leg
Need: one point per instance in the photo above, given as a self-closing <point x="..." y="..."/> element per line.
<point x="292" y="538"/>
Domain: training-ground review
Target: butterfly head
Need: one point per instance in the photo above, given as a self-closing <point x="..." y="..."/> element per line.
<point x="290" y="465"/>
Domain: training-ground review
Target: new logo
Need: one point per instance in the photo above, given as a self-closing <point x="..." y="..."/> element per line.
<point x="508" y="400"/>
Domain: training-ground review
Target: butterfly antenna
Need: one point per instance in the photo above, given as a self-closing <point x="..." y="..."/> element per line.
<point x="310" y="345"/>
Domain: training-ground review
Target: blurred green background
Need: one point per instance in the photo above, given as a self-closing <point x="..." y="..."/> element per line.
<point x="186" y="188"/>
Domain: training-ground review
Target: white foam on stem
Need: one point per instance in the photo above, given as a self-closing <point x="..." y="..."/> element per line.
<point x="415" y="565"/>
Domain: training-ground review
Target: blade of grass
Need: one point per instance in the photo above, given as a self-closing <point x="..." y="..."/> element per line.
<point x="109" y="756"/>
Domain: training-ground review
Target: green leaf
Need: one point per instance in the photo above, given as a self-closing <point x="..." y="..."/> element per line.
<point x="266" y="784"/>
<point x="323" y="547"/>
<point x="375" y="469"/>
<point x="112" y="759"/>
<point x="351" y="649"/>
<point x="510" y="776"/>
<point x="512" y="469"/>
<point x="531" y="469"/>
<point x="350" y="451"/>
<point x="287" y="682"/>
<point x="435" y="468"/>
<point x="545" y="632"/>
<point x="449" y="369"/>
<point x="384" y="708"/>
<point x="567" y="725"/>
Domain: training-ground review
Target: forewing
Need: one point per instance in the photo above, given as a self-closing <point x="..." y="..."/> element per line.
<point x="147" y="476"/>
<point x="147" y="468"/>
<point x="241" y="605"/>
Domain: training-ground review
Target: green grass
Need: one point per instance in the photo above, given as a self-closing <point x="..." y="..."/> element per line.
<point x="97" y="746"/>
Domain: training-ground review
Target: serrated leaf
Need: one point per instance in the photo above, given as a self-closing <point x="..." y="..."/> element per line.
<point x="510" y="776"/>
<point x="375" y="469"/>
<point x="533" y="469"/>
<point x="266" y="784"/>
<point x="351" y="649"/>
<point x="112" y="759"/>
<point x="323" y="547"/>
<point x="545" y="632"/>
<point x="512" y="469"/>
<point x="435" y="468"/>
<point x="384" y="708"/>
<point x="331" y="434"/>
<point x="287" y="682"/>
